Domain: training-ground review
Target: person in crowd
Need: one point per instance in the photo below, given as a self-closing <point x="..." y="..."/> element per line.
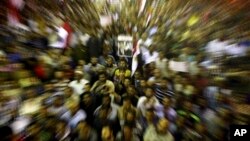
<point x="131" y="119"/>
<point x="112" y="109"/>
<point x="150" y="119"/>
<point x="103" y="85"/>
<point x="210" y="93"/>
<point x="179" y="130"/>
<point x="147" y="101"/>
<point x="93" y="68"/>
<point x="33" y="132"/>
<point x="110" y="67"/>
<point x="127" y="134"/>
<point x="142" y="87"/>
<point x="85" y="132"/>
<point x="31" y="102"/>
<point x="122" y="111"/>
<point x="74" y="115"/>
<point x="58" y="108"/>
<point x="78" y="84"/>
<point x="69" y="97"/>
<point x="106" y="113"/>
<point x="89" y="105"/>
<point x="156" y="79"/>
<point x="100" y="120"/>
<point x="81" y="67"/>
<point x="8" y="108"/>
<point x="136" y="78"/>
<point x="163" y="89"/>
<point x="103" y="60"/>
<point x="159" y="132"/>
<point x="187" y="112"/>
<point x="122" y="86"/>
<point x="132" y="95"/>
<point x="60" y="82"/>
<point x="150" y="55"/>
<point x="87" y="89"/>
<point x="166" y="110"/>
<point x="188" y="88"/>
<point x="122" y="71"/>
<point x="62" y="131"/>
<point x="107" y="134"/>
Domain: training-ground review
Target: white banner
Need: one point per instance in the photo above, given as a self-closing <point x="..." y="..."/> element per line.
<point x="125" y="46"/>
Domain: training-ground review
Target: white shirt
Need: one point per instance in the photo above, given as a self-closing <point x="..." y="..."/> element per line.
<point x="73" y="120"/>
<point x="142" y="106"/>
<point x="78" y="88"/>
<point x="112" y="115"/>
<point x="216" y="47"/>
<point x="148" y="58"/>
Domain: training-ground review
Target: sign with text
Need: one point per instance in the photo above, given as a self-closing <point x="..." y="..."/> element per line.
<point x="239" y="132"/>
<point x="125" y="46"/>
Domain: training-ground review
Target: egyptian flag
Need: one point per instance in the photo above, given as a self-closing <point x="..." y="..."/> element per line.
<point x="64" y="33"/>
<point x="136" y="52"/>
<point x="13" y="15"/>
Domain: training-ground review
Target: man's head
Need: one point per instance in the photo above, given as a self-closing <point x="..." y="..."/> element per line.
<point x="87" y="87"/>
<point x="87" y="99"/>
<point x="130" y="116"/>
<point x="102" y="77"/>
<point x="109" y="61"/>
<point x="122" y="64"/>
<point x="127" y="82"/>
<point x="78" y="75"/>
<point x="131" y="90"/>
<point x="149" y="92"/>
<point x="162" y="126"/>
<point x="143" y="83"/>
<point x="94" y="60"/>
<point x="138" y="75"/>
<point x="81" y="63"/>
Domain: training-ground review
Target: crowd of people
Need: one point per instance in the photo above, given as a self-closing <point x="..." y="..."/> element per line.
<point x="49" y="97"/>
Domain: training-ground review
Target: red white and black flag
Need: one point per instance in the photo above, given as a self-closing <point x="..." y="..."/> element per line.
<point x="136" y="52"/>
<point x="13" y="15"/>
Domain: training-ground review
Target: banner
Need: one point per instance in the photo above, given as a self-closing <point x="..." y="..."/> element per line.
<point x="125" y="46"/>
<point x="178" y="66"/>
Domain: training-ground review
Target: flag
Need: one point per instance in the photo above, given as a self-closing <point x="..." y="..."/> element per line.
<point x="13" y="14"/>
<point x="136" y="52"/>
<point x="64" y="36"/>
<point x="66" y="27"/>
<point x="142" y="6"/>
